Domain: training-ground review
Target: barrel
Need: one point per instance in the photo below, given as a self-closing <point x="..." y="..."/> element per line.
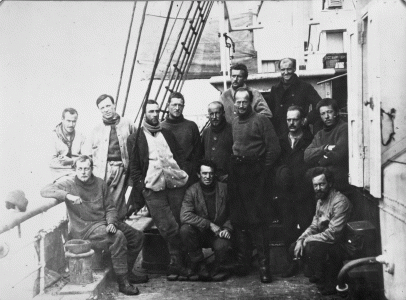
<point x="155" y="254"/>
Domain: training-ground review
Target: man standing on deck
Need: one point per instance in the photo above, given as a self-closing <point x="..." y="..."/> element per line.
<point x="323" y="237"/>
<point x="68" y="143"/>
<point x="186" y="133"/>
<point x="255" y="150"/>
<point x="329" y="147"/>
<point x="93" y="217"/>
<point x="156" y="168"/>
<point x="107" y="146"/>
<point x="295" y="192"/>
<point x="292" y="91"/>
<point x="238" y="76"/>
<point x="217" y="141"/>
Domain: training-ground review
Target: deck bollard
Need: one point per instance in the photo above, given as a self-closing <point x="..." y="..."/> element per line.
<point x="80" y="257"/>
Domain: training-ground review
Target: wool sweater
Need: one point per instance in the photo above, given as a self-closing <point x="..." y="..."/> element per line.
<point x="258" y="104"/>
<point x="332" y="214"/>
<point x="217" y="146"/>
<point x="337" y="159"/>
<point x="95" y="210"/>
<point x="253" y="136"/>
<point x="187" y="134"/>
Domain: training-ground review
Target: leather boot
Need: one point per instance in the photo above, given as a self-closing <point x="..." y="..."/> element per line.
<point x="134" y="278"/>
<point x="125" y="287"/>
<point x="262" y="244"/>
<point x="176" y="267"/>
<point x="241" y="267"/>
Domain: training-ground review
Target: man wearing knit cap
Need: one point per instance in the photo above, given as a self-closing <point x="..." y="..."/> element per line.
<point x="255" y="149"/>
<point x="156" y="168"/>
<point x="68" y="143"/>
<point x="217" y="141"/>
<point x="107" y="146"/>
<point x="93" y="217"/>
<point x="239" y="76"/>
<point x="186" y="133"/>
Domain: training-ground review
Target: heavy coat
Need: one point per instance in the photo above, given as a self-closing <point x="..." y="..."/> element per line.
<point x="299" y="93"/>
<point x="139" y="160"/>
<point x="194" y="210"/>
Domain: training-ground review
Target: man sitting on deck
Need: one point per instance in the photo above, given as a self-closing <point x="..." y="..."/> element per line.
<point x="324" y="234"/>
<point x="93" y="216"/>
<point x="205" y="222"/>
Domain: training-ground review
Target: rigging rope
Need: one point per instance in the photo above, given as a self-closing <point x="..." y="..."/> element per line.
<point x="135" y="56"/>
<point x="144" y="102"/>
<point x="125" y="51"/>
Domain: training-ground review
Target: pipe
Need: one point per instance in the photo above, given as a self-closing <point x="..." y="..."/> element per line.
<point x="342" y="287"/>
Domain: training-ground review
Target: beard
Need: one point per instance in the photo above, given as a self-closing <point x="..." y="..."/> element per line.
<point x="321" y="195"/>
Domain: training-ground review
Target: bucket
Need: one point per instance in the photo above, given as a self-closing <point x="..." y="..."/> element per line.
<point x="155" y="254"/>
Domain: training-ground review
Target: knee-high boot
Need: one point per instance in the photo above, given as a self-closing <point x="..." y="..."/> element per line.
<point x="241" y="268"/>
<point x="261" y="240"/>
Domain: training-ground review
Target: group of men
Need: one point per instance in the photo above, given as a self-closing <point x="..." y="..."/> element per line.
<point x="212" y="190"/>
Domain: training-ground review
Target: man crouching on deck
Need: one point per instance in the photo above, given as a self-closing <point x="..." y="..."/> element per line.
<point x="93" y="216"/>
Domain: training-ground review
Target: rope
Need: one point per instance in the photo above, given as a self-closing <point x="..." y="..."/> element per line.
<point x="135" y="57"/>
<point x="170" y="32"/>
<point x="144" y="102"/>
<point x="125" y="51"/>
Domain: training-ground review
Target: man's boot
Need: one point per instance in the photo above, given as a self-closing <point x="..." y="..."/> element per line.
<point x="241" y="267"/>
<point x="176" y="267"/>
<point x="124" y="285"/>
<point x="262" y="242"/>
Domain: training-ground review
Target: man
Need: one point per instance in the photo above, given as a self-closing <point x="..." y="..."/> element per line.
<point x="186" y="133"/>
<point x="239" y="75"/>
<point x="292" y="91"/>
<point x="205" y="222"/>
<point x="217" y="140"/>
<point x="92" y="216"/>
<point x="296" y="193"/>
<point x="329" y="147"/>
<point x="255" y="150"/>
<point x="68" y="143"/>
<point x="157" y="173"/>
<point x="324" y="235"/>
<point x="107" y="146"/>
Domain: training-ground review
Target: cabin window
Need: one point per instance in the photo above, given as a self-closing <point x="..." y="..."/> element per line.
<point x="270" y="66"/>
<point x="334" y="41"/>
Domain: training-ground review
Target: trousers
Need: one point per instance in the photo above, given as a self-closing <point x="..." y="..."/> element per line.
<point x="135" y="242"/>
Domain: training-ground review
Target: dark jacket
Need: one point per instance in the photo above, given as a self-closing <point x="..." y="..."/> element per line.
<point x="139" y="160"/>
<point x="293" y="160"/>
<point x="194" y="209"/>
<point x="299" y="93"/>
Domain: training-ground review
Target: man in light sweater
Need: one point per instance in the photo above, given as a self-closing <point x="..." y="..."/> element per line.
<point x="324" y="235"/>
<point x="92" y="216"/>
<point x="68" y="143"/>
<point x="156" y="168"/>
<point x="255" y="150"/>
<point x="186" y="133"/>
<point x="238" y="76"/>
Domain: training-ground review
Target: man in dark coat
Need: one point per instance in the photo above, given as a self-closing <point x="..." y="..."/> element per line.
<point x="217" y="141"/>
<point x="93" y="217"/>
<point x="156" y="169"/>
<point x="295" y="193"/>
<point x="292" y="91"/>
<point x="255" y="150"/>
<point x="205" y="222"/>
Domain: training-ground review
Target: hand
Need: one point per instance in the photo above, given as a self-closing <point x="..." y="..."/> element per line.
<point x="298" y="252"/>
<point x="65" y="161"/>
<point x="111" y="229"/>
<point x="331" y="147"/>
<point x="214" y="228"/>
<point x="75" y="199"/>
<point x="225" y="234"/>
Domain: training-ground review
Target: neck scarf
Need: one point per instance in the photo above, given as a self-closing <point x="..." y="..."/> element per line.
<point x="151" y="128"/>
<point x="65" y="137"/>
<point x="114" y="120"/>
